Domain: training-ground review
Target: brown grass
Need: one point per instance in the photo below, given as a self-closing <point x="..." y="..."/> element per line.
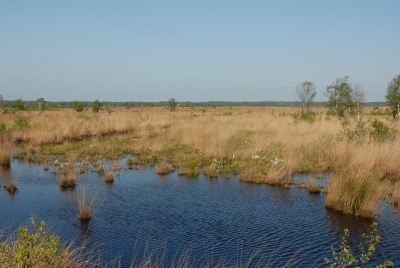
<point x="312" y="188"/>
<point x="5" y="151"/>
<point x="164" y="168"/>
<point x="109" y="178"/>
<point x="264" y="146"/>
<point x="86" y="205"/>
<point x="11" y="187"/>
<point x="68" y="180"/>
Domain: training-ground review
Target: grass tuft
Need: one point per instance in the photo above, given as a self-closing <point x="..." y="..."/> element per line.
<point x="11" y="187"/>
<point x="164" y="168"/>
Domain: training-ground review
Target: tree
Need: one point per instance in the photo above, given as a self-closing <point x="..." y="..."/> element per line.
<point x="78" y="106"/>
<point x="1" y="100"/>
<point x="343" y="96"/>
<point x="172" y="104"/>
<point x="41" y="103"/>
<point x="393" y="96"/>
<point x="306" y="93"/>
<point x="109" y="110"/>
<point x="96" y="106"/>
<point x="19" y="104"/>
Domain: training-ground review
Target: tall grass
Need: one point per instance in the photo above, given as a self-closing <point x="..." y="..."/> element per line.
<point x="264" y="146"/>
<point x="357" y="184"/>
<point x="86" y="205"/>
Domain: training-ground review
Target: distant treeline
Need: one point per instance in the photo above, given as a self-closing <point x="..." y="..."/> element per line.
<point x="68" y="104"/>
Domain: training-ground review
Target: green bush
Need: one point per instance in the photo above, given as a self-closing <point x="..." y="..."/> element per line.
<point x="346" y="258"/>
<point x="32" y="248"/>
<point x="381" y="132"/>
<point x="96" y="106"/>
<point x="21" y="123"/>
<point x="3" y="127"/>
<point x="307" y="117"/>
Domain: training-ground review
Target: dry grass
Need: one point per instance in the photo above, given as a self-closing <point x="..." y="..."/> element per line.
<point x="312" y="188"/>
<point x="86" y="205"/>
<point x="5" y="151"/>
<point x="109" y="178"/>
<point x="68" y="180"/>
<point x="264" y="145"/>
<point x="164" y="168"/>
<point x="11" y="187"/>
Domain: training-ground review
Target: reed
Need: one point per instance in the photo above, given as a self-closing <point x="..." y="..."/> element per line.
<point x="164" y="168"/>
<point x="5" y="151"/>
<point x="68" y="179"/>
<point x="109" y="178"/>
<point x="312" y="188"/>
<point x="11" y="187"/>
<point x="86" y="205"/>
<point x="266" y="145"/>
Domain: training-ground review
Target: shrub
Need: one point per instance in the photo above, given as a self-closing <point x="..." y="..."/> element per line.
<point x="381" y="132"/>
<point x="96" y="106"/>
<point x="307" y="117"/>
<point x="19" y="104"/>
<point x="345" y="257"/>
<point x="33" y="248"/>
<point x="21" y="123"/>
<point x="3" y="127"/>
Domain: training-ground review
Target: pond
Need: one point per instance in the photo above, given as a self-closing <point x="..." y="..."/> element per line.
<point x="207" y="220"/>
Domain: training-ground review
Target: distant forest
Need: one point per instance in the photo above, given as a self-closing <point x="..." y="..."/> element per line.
<point x="67" y="104"/>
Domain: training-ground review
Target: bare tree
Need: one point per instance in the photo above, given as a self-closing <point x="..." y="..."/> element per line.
<point x="109" y="110"/>
<point x="306" y="93"/>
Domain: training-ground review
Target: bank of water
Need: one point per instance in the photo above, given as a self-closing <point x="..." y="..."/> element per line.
<point x="208" y="220"/>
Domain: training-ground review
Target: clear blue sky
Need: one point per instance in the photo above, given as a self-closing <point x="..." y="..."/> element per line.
<point x="194" y="50"/>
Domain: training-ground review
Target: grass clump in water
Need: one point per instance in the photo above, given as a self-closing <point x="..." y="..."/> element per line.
<point x="312" y="188"/>
<point x="11" y="187"/>
<point x="68" y="180"/>
<point x="164" y="168"/>
<point x="85" y="205"/>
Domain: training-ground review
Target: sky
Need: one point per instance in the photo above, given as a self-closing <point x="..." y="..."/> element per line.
<point x="196" y="50"/>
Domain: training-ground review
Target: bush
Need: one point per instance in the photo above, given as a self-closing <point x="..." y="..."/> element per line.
<point x="308" y="117"/>
<point x="96" y="106"/>
<point x="33" y="248"/>
<point x="381" y="132"/>
<point x="3" y="127"/>
<point x="345" y="257"/>
<point x="21" y="123"/>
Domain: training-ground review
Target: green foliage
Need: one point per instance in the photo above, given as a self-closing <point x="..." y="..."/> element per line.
<point x="96" y="106"/>
<point x="357" y="131"/>
<point x="378" y="111"/>
<point x="34" y="248"/>
<point x="345" y="257"/>
<point x="19" y="104"/>
<point x="41" y="103"/>
<point x="172" y="104"/>
<point x="381" y="132"/>
<point x="21" y="123"/>
<point x="308" y="117"/>
<point x="343" y="97"/>
<point x="393" y="92"/>
<point x="3" y="127"/>
<point x="78" y="106"/>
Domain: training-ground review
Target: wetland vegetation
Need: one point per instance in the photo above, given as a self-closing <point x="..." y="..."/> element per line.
<point x="257" y="145"/>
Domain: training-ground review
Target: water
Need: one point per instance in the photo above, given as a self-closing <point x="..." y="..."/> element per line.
<point x="207" y="219"/>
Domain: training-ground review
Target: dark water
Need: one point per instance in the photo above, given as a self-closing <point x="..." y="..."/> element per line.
<point x="208" y="220"/>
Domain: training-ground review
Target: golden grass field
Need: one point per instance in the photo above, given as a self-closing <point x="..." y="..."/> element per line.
<point x="262" y="145"/>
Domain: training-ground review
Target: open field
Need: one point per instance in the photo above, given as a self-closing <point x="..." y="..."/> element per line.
<point x="262" y="145"/>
